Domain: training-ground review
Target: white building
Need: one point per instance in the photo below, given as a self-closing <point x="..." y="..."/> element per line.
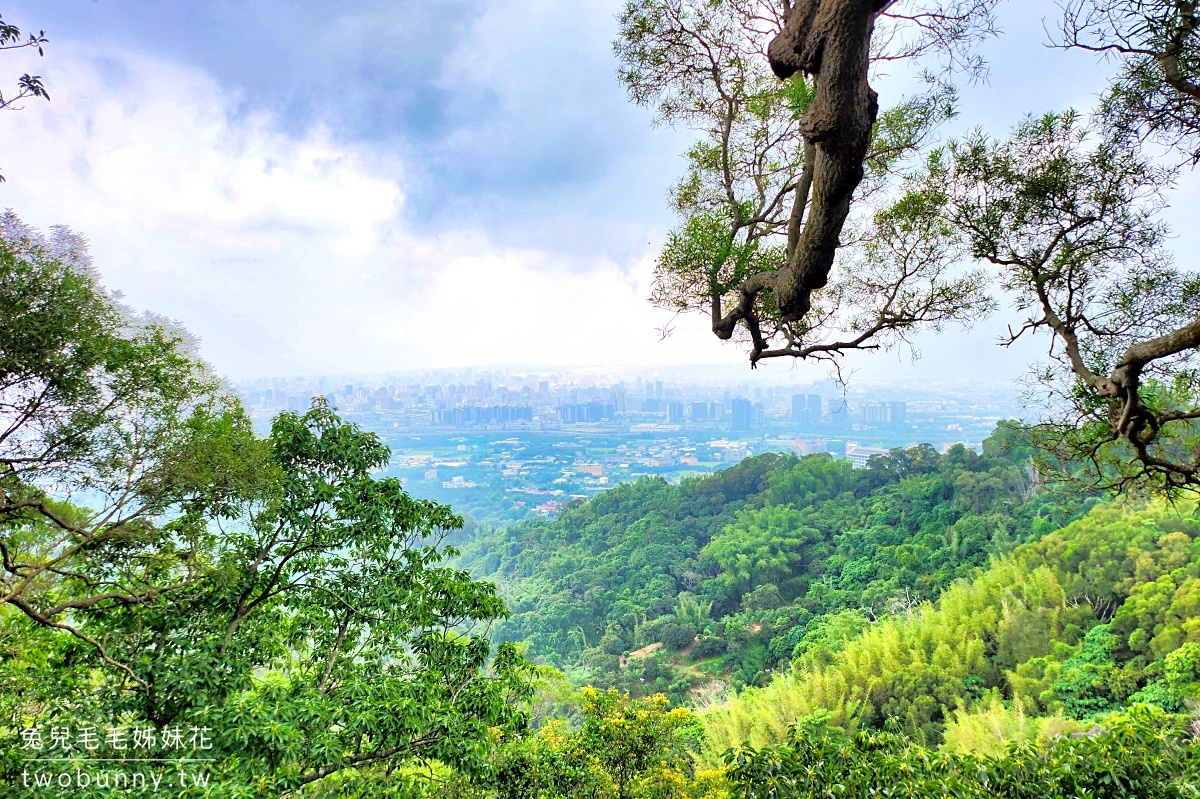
<point x="858" y="456"/>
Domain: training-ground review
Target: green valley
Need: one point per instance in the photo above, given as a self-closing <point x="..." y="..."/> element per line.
<point x="719" y="582"/>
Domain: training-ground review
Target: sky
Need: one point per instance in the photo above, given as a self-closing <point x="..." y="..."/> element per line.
<point x="355" y="187"/>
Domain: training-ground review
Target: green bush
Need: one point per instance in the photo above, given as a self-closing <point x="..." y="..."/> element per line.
<point x="676" y="636"/>
<point x="1146" y="753"/>
<point x="708" y="646"/>
<point x="1085" y="686"/>
<point x="612" y="644"/>
<point x="1182" y="672"/>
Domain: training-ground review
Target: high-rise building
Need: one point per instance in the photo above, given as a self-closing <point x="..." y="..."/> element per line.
<point x="883" y="412"/>
<point x="585" y="412"/>
<point x="743" y="414"/>
<point x="675" y="413"/>
<point x="799" y="406"/>
<point x="839" y="413"/>
<point x="806" y="409"/>
<point x="472" y="414"/>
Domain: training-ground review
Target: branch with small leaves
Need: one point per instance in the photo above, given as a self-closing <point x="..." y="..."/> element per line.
<point x="1156" y="45"/>
<point x="1069" y="215"/>
<point x="769" y="189"/>
<point x="27" y="85"/>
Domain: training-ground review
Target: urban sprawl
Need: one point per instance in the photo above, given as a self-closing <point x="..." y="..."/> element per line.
<point x="504" y="445"/>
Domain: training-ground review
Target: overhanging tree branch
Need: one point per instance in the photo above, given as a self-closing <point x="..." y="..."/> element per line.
<point x="831" y="41"/>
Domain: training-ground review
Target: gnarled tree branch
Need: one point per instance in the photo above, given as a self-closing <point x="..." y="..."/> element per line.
<point x="831" y="41"/>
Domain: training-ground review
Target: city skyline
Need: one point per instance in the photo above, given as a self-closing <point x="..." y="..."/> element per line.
<point x="500" y="447"/>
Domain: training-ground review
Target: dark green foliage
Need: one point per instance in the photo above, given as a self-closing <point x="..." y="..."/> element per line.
<point x="273" y="593"/>
<point x="708" y="646"/>
<point x="1085" y="686"/>
<point x="677" y="636"/>
<point x="755" y="557"/>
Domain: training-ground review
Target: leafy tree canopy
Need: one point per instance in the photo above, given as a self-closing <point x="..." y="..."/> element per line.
<point x="165" y="568"/>
<point x="814" y="224"/>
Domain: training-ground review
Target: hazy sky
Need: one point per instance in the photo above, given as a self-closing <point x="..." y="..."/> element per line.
<point x="316" y="187"/>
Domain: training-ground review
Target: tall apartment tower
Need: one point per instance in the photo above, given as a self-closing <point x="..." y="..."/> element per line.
<point x="743" y="414"/>
<point x="806" y="409"/>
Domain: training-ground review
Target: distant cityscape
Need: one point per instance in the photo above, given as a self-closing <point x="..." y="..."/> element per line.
<point x="503" y="445"/>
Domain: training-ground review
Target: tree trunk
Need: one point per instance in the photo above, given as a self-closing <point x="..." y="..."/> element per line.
<point x="829" y="40"/>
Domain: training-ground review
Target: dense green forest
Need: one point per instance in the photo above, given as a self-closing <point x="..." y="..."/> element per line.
<point x="721" y="581"/>
<point x="1067" y="667"/>
<point x="194" y="608"/>
<point x="1089" y="618"/>
<point x="786" y="627"/>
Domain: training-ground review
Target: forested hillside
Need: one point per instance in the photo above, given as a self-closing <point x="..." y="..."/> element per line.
<point x="719" y="581"/>
<point x="785" y="627"/>
<point x="929" y="621"/>
<point x="209" y="592"/>
<point x="1077" y="624"/>
<point x="1067" y="664"/>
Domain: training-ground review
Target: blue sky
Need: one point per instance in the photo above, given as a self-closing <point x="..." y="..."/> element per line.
<point x="365" y="186"/>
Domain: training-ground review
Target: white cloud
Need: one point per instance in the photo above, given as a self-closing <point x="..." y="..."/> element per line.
<point x="290" y="255"/>
<point x="293" y="254"/>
